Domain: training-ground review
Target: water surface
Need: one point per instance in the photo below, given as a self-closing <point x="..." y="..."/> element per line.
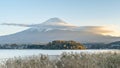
<point x="6" y="53"/>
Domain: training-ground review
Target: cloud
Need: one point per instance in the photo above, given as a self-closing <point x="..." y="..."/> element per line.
<point x="111" y="30"/>
<point x="13" y="24"/>
<point x="96" y="29"/>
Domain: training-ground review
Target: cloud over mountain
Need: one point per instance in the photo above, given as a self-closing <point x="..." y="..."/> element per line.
<point x="56" y="29"/>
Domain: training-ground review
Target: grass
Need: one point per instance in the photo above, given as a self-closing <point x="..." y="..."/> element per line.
<point x="66" y="60"/>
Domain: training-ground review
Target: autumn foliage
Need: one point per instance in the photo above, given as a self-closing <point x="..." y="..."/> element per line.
<point x="61" y="44"/>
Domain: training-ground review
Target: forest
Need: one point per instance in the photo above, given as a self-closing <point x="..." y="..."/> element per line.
<point x="57" y="44"/>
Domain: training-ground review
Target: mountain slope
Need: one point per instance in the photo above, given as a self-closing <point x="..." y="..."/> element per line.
<point x="56" y="29"/>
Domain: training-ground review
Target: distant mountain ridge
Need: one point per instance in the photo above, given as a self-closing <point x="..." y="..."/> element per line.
<point x="56" y="29"/>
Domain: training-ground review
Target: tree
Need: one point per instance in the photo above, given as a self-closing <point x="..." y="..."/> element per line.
<point x="60" y="44"/>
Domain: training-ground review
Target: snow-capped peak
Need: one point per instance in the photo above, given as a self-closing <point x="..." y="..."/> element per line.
<point x="56" y="22"/>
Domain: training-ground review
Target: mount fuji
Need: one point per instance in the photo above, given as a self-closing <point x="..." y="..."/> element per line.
<point x="56" y="29"/>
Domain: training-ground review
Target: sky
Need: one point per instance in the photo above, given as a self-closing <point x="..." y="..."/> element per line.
<point x="78" y="12"/>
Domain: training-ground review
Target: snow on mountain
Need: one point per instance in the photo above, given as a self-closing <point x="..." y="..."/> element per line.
<point x="52" y="24"/>
<point x="56" y="22"/>
<point x="56" y="29"/>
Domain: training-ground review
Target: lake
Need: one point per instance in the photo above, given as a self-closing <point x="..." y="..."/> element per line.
<point x="10" y="53"/>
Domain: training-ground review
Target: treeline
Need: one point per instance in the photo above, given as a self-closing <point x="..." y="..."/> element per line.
<point x="113" y="45"/>
<point x="96" y="45"/>
<point x="57" y="44"/>
<point x="61" y="44"/>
